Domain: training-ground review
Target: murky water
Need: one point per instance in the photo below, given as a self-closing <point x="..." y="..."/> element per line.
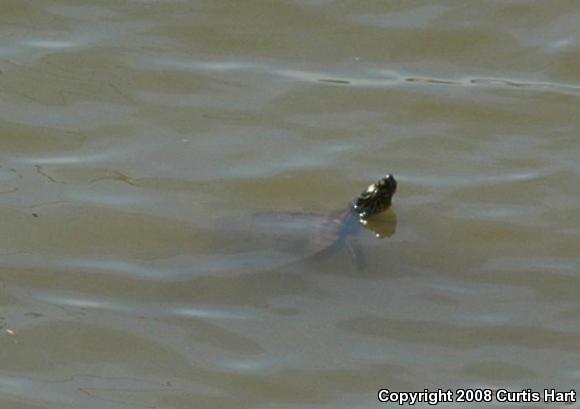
<point x="131" y="129"/>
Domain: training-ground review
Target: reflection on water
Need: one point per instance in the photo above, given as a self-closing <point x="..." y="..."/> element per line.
<point x="130" y="131"/>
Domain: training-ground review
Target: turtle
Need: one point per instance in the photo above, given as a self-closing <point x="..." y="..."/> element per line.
<point x="269" y="239"/>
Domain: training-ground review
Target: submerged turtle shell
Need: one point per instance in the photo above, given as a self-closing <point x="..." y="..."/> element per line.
<point x="270" y="239"/>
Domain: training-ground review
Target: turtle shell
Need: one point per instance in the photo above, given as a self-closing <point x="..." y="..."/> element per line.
<point x="270" y="239"/>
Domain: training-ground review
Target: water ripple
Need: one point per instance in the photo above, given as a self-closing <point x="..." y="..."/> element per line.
<point x="151" y="309"/>
<point x="370" y="77"/>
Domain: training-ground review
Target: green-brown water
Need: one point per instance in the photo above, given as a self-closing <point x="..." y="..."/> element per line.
<point x="128" y="129"/>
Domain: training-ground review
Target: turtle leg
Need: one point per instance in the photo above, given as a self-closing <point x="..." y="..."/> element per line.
<point x="354" y="251"/>
<point x="356" y="254"/>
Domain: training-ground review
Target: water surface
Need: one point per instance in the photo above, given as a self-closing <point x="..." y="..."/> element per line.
<point x="129" y="129"/>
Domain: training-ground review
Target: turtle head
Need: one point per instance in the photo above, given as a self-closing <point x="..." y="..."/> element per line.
<point x="376" y="198"/>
